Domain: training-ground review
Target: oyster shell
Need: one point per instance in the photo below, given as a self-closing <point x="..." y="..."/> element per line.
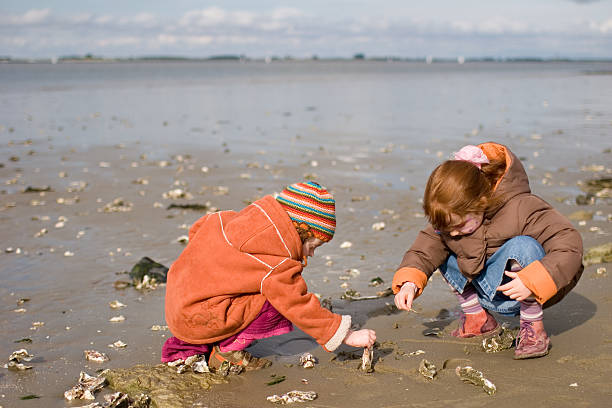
<point x="293" y="396"/>
<point x="503" y="341"/>
<point x="120" y="400"/>
<point x="118" y="344"/>
<point x="307" y="360"/>
<point x="93" y="355"/>
<point x="85" y="388"/>
<point x="427" y="369"/>
<point x="15" y="359"/>
<point x="115" y="304"/>
<point x="196" y="363"/>
<point x="469" y="374"/>
<point x="366" y="360"/>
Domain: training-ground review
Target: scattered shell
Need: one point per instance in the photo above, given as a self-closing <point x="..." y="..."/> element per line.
<point x="293" y="396"/>
<point x="183" y="239"/>
<point x="142" y="181"/>
<point x="115" y="304"/>
<point x="118" y="344"/>
<point x="427" y="369"/>
<point x="197" y="363"/>
<point x="117" y="205"/>
<point x="178" y="193"/>
<point x="93" y="355"/>
<point x="468" y="374"/>
<point x="353" y="272"/>
<point x="503" y="341"/>
<point x="41" y="233"/>
<point x="20" y="310"/>
<point x="378" y="226"/>
<point x="85" y="388"/>
<point x="307" y="360"/>
<point x="117" y="319"/>
<point x="14" y="361"/>
<point x="220" y="190"/>
<point x="573" y="385"/>
<point x="376" y="281"/>
<point x="360" y="198"/>
<point x="346" y="244"/>
<point x="76" y="186"/>
<point x="601" y="271"/>
<point x="68" y="253"/>
<point x="157" y="327"/>
<point x="416" y="353"/>
<point x="147" y="282"/>
<point x="366" y="360"/>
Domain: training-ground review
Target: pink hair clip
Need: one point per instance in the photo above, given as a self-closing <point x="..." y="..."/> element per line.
<point x="472" y="154"/>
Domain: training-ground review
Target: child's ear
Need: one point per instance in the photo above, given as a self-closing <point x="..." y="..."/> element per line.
<point x="484" y="201"/>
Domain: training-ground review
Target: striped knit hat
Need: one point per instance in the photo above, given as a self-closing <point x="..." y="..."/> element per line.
<point x="311" y="208"/>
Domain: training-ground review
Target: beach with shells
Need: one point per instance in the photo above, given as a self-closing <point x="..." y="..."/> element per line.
<point x="102" y="165"/>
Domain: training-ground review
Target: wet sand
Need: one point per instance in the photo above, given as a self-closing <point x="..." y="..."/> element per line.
<point x="62" y="252"/>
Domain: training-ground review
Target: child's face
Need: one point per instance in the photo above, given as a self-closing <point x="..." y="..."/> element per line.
<point x="464" y="225"/>
<point x="309" y="246"/>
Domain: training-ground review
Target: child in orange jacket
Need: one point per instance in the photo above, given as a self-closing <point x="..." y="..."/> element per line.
<point x="240" y="279"/>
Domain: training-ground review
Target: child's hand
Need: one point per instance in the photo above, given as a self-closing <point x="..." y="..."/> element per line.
<point x="515" y="289"/>
<point x="360" y="338"/>
<point x="403" y="299"/>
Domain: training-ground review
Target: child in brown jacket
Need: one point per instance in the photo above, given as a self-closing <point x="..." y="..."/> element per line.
<point x="500" y="247"/>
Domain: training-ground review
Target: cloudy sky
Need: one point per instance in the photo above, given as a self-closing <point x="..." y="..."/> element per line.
<point x="326" y="28"/>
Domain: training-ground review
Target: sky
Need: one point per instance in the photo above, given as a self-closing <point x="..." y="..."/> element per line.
<point x="303" y="29"/>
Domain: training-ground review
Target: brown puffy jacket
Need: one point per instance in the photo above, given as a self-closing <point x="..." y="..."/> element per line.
<point x="522" y="213"/>
<point x="234" y="262"/>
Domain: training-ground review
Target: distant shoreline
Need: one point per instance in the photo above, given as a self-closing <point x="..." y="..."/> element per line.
<point x="243" y="59"/>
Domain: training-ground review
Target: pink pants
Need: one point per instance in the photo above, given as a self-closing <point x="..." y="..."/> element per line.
<point x="269" y="322"/>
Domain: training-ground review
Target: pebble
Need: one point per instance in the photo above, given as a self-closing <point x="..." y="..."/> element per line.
<point x="346" y="244"/>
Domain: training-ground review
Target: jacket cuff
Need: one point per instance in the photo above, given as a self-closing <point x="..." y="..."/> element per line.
<point x="338" y="337"/>
<point x="538" y="280"/>
<point x="414" y="275"/>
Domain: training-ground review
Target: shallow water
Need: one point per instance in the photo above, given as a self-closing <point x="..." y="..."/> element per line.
<point x="370" y="131"/>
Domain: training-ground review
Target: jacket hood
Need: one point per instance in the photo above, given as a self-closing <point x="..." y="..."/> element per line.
<point x="514" y="180"/>
<point x="264" y="228"/>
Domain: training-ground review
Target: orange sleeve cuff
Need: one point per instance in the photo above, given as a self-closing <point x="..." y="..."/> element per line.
<point x="538" y="280"/>
<point x="414" y="275"/>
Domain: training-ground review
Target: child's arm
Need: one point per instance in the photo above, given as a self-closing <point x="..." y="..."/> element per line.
<point x="420" y="261"/>
<point x="285" y="289"/>
<point x="562" y="244"/>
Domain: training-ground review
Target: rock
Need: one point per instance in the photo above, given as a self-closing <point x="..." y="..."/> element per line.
<point x="581" y="215"/>
<point x="162" y="384"/>
<point x="599" y="254"/>
<point x="147" y="266"/>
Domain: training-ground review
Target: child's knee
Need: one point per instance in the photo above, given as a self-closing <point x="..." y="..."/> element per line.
<point x="528" y="248"/>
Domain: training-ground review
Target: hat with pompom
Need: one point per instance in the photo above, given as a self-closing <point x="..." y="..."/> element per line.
<point x="311" y="208"/>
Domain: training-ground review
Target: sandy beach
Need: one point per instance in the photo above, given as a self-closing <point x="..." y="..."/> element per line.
<point x="97" y="208"/>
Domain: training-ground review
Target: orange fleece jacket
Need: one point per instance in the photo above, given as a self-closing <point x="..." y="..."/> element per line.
<point x="234" y="262"/>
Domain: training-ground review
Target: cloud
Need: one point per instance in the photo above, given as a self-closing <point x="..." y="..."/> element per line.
<point x="215" y="30"/>
<point x="34" y="16"/>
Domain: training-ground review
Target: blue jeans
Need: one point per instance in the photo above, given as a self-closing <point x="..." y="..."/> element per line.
<point x="522" y="249"/>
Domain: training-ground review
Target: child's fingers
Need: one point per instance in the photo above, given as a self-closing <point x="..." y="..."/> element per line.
<point x="511" y="274"/>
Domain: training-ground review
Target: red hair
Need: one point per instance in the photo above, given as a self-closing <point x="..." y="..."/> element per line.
<point x="459" y="187"/>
